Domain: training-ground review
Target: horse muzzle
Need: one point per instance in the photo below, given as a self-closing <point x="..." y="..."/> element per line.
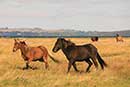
<point x="54" y="50"/>
<point x="14" y="50"/>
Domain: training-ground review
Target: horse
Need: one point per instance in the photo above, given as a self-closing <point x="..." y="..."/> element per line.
<point x="30" y="54"/>
<point x="94" y="39"/>
<point x="119" y="38"/>
<point x="79" y="53"/>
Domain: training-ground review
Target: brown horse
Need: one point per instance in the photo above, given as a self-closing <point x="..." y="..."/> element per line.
<point x="119" y="38"/>
<point x="79" y="53"/>
<point x="94" y="39"/>
<point x="29" y="54"/>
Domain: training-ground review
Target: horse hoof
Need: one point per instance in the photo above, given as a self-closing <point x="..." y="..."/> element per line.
<point x="33" y="68"/>
<point x="67" y="72"/>
<point x="25" y="68"/>
<point x="87" y="71"/>
<point x="77" y="71"/>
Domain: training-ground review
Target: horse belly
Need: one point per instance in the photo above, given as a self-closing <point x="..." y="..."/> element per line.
<point x="38" y="55"/>
<point x="35" y="54"/>
<point x="80" y="59"/>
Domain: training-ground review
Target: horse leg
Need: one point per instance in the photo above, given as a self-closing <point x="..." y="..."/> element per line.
<point x="95" y="62"/>
<point x="74" y="65"/>
<point x="46" y="62"/>
<point x="46" y="65"/>
<point x="90" y="64"/>
<point x="71" y="61"/>
<point x="27" y="65"/>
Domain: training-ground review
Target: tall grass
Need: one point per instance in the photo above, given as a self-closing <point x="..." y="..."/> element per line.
<point x="116" y="55"/>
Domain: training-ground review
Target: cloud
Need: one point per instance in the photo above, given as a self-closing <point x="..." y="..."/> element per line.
<point x="66" y="13"/>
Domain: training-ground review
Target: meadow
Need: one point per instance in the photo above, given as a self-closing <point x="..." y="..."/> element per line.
<point x="116" y="55"/>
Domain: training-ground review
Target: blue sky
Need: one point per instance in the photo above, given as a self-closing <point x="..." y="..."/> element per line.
<point x="88" y="15"/>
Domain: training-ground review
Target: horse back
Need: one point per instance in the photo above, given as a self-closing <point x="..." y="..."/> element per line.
<point x="44" y="50"/>
<point x="83" y="51"/>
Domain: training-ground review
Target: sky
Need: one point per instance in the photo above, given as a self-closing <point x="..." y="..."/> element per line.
<point x="87" y="15"/>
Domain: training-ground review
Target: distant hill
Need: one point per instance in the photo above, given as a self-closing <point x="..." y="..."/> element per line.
<point x="38" y="32"/>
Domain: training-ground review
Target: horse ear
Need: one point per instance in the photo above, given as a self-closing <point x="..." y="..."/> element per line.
<point x="23" y="42"/>
<point x="15" y="40"/>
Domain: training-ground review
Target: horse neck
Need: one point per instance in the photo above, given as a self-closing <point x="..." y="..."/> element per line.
<point x="66" y="51"/>
<point x="24" y="49"/>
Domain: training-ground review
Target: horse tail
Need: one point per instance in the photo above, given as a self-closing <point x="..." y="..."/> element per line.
<point x="44" y="49"/>
<point x="55" y="60"/>
<point x="101" y="61"/>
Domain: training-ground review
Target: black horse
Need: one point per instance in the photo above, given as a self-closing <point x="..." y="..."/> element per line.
<point x="79" y="53"/>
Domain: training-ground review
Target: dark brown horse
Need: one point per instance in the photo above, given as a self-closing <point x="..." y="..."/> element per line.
<point x="94" y="39"/>
<point x="29" y="54"/>
<point x="79" y="53"/>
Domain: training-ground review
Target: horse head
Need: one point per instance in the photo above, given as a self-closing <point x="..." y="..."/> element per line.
<point x="18" y="44"/>
<point x="61" y="43"/>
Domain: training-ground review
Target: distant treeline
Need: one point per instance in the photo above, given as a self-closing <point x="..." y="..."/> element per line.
<point x="57" y="36"/>
<point x="40" y="33"/>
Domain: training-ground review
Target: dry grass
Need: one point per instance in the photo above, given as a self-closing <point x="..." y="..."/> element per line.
<point x="117" y="55"/>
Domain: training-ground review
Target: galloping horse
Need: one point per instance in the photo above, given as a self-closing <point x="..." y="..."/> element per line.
<point x="29" y="54"/>
<point x="79" y="53"/>
<point x="119" y="38"/>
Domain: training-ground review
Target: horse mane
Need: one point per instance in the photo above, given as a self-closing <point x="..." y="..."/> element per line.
<point x="23" y="42"/>
<point x="69" y="43"/>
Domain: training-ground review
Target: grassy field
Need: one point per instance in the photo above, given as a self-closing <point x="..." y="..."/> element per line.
<point x="116" y="55"/>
